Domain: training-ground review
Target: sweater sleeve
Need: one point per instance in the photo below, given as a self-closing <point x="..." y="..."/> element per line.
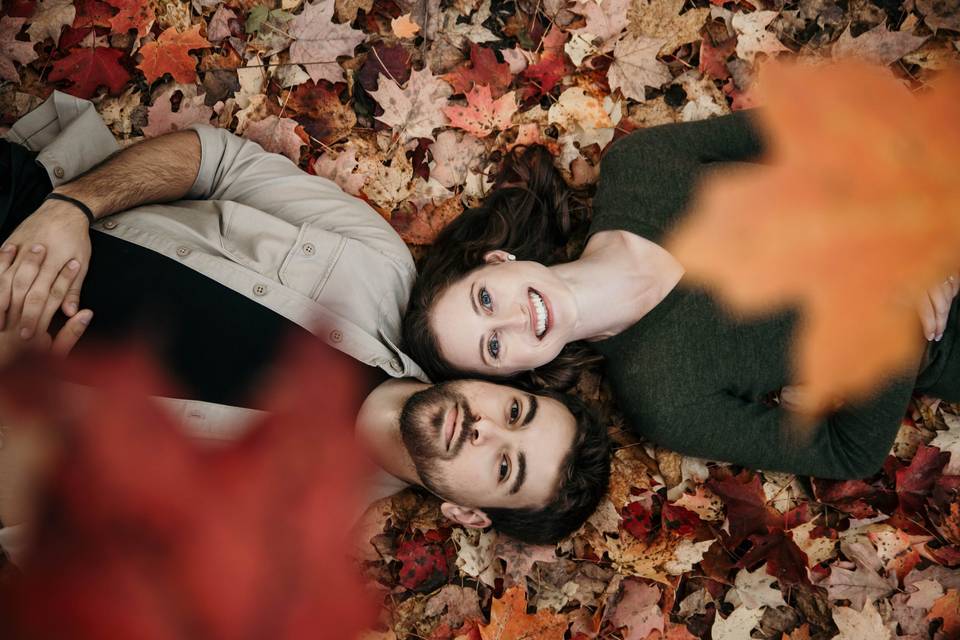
<point x="851" y="443"/>
<point x="648" y="177"/>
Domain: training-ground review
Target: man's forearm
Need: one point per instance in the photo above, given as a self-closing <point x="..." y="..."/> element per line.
<point x="158" y="170"/>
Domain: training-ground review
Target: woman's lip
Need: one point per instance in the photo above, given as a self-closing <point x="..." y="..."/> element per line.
<point x="533" y="314"/>
<point x="450" y="425"/>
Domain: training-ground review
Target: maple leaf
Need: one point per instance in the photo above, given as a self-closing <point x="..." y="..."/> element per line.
<point x="13" y="50"/>
<point x="404" y="27"/>
<point x="278" y="135"/>
<point x="605" y="22"/>
<point x="859" y="624"/>
<point x="586" y="119"/>
<point x="685" y="555"/>
<point x="550" y="68"/>
<point x="878" y="45"/>
<point x="317" y="107"/>
<point x="453" y="155"/>
<point x="341" y="169"/>
<point x="416" y="110"/>
<point x="746" y="505"/>
<point x="859" y="586"/>
<point x="818" y="543"/>
<point x="388" y="179"/>
<point x="423" y="561"/>
<point x="753" y="589"/>
<point x="483" y="115"/>
<point x="828" y="244"/>
<point x="635" y="66"/>
<point x="92" y="13"/>
<point x="947" y="608"/>
<point x="162" y="119"/>
<point x="125" y="550"/>
<point x="785" y="560"/>
<point x="736" y="626"/>
<point x="752" y="34"/>
<point x="482" y="70"/>
<point x="50" y="19"/>
<point x="391" y="61"/>
<point x="520" y="557"/>
<point x="915" y="481"/>
<point x="168" y="54"/>
<point x="509" y="620"/>
<point x="90" y="68"/>
<point x="939" y="15"/>
<point x="661" y="19"/>
<point x="457" y="605"/>
<point x="713" y="58"/>
<point x="949" y="442"/>
<point x="318" y="41"/>
<point x="219" y="26"/>
<point x="475" y="554"/>
<point x="636" y="607"/>
<point x="134" y="15"/>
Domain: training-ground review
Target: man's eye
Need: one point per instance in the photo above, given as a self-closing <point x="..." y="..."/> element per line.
<point x="485" y="300"/>
<point x="493" y="347"/>
<point x="514" y="411"/>
<point x="504" y="468"/>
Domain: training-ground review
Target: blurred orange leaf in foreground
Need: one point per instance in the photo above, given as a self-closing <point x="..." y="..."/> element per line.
<point x="145" y="533"/>
<point x="856" y="214"/>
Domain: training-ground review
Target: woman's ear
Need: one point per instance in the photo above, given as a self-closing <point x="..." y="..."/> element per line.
<point x="497" y="256"/>
<point x="466" y="516"/>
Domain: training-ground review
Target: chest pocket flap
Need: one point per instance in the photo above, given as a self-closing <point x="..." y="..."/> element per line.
<point x="311" y="260"/>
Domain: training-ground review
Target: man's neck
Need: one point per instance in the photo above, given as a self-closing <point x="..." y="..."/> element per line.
<point x="378" y="428"/>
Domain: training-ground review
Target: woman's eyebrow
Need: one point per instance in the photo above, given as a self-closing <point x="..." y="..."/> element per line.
<point x="473" y="299"/>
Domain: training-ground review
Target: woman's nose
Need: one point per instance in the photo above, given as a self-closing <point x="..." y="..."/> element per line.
<point x="516" y="319"/>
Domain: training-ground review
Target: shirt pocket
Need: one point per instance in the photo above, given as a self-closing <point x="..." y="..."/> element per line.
<point x="310" y="261"/>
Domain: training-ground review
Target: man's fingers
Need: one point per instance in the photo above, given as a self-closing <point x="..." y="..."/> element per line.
<point x="7" y="254"/>
<point x="71" y="301"/>
<point x="58" y="292"/>
<point x="48" y="289"/>
<point x="26" y="269"/>
<point x="67" y="338"/>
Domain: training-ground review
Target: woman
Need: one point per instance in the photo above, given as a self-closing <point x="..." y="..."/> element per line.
<point x="494" y="300"/>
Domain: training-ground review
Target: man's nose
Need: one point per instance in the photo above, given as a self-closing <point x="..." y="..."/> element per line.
<point x="486" y="431"/>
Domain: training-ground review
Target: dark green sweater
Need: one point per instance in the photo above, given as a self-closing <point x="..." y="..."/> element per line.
<point x="691" y="377"/>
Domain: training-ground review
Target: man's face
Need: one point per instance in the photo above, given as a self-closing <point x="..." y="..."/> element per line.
<point x="487" y="445"/>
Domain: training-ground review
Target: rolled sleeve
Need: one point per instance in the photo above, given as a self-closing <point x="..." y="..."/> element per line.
<point x="69" y="135"/>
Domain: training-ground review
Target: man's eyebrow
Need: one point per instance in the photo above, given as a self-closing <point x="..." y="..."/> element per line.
<point x="521" y="473"/>
<point x="532" y="411"/>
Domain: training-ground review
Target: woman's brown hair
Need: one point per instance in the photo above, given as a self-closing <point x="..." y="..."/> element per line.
<point x="528" y="214"/>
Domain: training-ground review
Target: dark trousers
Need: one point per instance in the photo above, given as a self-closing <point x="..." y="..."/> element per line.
<point x="215" y="343"/>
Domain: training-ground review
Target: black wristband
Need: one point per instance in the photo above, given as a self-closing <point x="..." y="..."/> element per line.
<point x="74" y="202"/>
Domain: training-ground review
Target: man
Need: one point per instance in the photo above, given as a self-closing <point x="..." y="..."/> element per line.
<point x="221" y="249"/>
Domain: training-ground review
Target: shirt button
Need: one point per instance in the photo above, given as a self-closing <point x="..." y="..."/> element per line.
<point x="259" y="289"/>
<point x="183" y="252"/>
<point x="336" y="335"/>
<point x="308" y="248"/>
<point x="396" y="365"/>
<point x="59" y="172"/>
<point x="110" y="224"/>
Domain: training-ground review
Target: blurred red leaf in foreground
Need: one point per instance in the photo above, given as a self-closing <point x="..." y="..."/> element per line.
<point x="853" y="219"/>
<point x="147" y="534"/>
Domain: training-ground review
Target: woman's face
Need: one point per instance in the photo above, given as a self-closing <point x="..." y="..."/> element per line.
<point x="504" y="317"/>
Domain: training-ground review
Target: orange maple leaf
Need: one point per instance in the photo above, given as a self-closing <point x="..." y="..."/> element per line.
<point x="509" y="620"/>
<point x="948" y="608"/>
<point x="483" y="115"/>
<point x="853" y="219"/>
<point x="168" y="54"/>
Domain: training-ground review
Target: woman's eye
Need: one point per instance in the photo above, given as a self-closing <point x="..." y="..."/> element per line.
<point x="485" y="300"/>
<point x="514" y="411"/>
<point x="493" y="347"/>
<point x="504" y="468"/>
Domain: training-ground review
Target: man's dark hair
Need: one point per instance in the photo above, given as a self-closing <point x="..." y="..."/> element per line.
<point x="583" y="478"/>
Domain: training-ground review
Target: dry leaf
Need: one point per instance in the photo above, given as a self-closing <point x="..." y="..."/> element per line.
<point x="318" y="41"/>
<point x="404" y="27"/>
<point x="416" y="110"/>
<point x="635" y="66"/>
<point x="510" y="621"/>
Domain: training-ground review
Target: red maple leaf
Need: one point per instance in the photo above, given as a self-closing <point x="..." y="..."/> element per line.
<point x="148" y="534"/>
<point x="551" y="68"/>
<point x="482" y="69"/>
<point x="637" y="520"/>
<point x="746" y="505"/>
<point x="92" y="13"/>
<point x="679" y="521"/>
<point x="424" y="561"/>
<point x="133" y="14"/>
<point x="391" y="61"/>
<point x="169" y="54"/>
<point x="785" y="560"/>
<point x="848" y="496"/>
<point x="89" y="68"/>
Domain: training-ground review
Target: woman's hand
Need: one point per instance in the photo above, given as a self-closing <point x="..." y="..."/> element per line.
<point x="63" y="235"/>
<point x="11" y="341"/>
<point x="796" y="399"/>
<point x="934" y="306"/>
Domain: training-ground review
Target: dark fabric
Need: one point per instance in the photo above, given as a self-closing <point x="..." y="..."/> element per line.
<point x="216" y="344"/>
<point x="693" y="378"/>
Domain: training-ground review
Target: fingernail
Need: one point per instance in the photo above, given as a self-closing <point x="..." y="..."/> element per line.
<point x="73" y="265"/>
<point x="71" y="308"/>
<point x="25" y="333"/>
<point x="930" y="336"/>
<point x="85" y="317"/>
<point x="37" y="248"/>
<point x="7" y="248"/>
<point x="939" y="337"/>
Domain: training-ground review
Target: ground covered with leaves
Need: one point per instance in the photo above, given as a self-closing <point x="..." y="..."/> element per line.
<point x="410" y="105"/>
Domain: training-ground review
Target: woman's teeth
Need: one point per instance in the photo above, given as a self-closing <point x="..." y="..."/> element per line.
<point x="541" y="310"/>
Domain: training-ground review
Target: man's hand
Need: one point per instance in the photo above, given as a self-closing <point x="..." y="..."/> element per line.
<point x="30" y="290"/>
<point x="934" y="306"/>
<point x="11" y="342"/>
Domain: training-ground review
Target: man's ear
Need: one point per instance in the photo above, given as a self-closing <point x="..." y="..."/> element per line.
<point x="466" y="516"/>
<point x="497" y="256"/>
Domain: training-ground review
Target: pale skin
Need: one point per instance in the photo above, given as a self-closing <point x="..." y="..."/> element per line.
<point x="485" y="471"/>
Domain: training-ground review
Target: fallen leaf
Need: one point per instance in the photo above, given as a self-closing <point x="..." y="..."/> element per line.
<point x="133" y="15"/>
<point x="736" y="626"/>
<point x="416" y="110"/>
<point x="483" y="69"/>
<point x="90" y="68"/>
<point x="277" y="135"/>
<point x="457" y="605"/>
<point x="877" y="46"/>
<point x="13" y="50"/>
<point x="219" y="26"/>
<point x="661" y="19"/>
<point x="947" y="608"/>
<point x="752" y="34"/>
<point x="753" y="589"/>
<point x="510" y="621"/>
<point x="342" y="170"/>
<point x="162" y="119"/>
<point x="49" y="20"/>
<point x="483" y="115"/>
<point x="423" y="562"/>
<point x="318" y="41"/>
<point x="939" y="14"/>
<point x="635" y="66"/>
<point x="635" y="606"/>
<point x="859" y="625"/>
<point x="550" y="68"/>
<point x="605" y="22"/>
<point x="949" y="442"/>
<point x="475" y="554"/>
<point x="169" y="54"/>
<point x="404" y="26"/>
<point x="453" y="154"/>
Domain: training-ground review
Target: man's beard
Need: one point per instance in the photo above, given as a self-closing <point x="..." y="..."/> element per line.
<point x="421" y="424"/>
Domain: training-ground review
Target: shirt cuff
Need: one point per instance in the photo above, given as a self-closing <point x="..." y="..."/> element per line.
<point x="212" y="148"/>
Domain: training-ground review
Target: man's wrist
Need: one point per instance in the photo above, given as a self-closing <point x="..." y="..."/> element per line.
<point x="74" y="202"/>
